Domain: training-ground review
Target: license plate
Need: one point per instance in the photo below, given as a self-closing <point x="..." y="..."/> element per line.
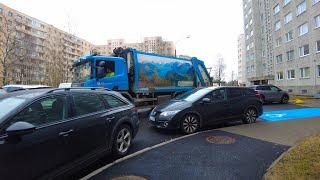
<point x="152" y="118"/>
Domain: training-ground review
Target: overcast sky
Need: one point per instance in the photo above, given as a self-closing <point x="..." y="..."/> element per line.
<point x="214" y="25"/>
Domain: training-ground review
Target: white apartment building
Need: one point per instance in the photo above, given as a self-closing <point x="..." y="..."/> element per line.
<point x="241" y="60"/>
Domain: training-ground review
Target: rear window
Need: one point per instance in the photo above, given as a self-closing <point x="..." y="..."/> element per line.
<point x="85" y="103"/>
<point x="234" y="93"/>
<point x="113" y="101"/>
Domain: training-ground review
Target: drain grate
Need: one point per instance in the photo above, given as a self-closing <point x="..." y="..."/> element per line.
<point x="129" y="177"/>
<point x="220" y="140"/>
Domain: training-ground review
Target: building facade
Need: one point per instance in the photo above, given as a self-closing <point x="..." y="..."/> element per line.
<point x="150" y="44"/>
<point x="241" y="60"/>
<point x="283" y="43"/>
<point x="40" y="53"/>
<point x="296" y="30"/>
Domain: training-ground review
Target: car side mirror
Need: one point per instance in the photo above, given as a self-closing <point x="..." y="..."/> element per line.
<point x="20" y="128"/>
<point x="206" y="100"/>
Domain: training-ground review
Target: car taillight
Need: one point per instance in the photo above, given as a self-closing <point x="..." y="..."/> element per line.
<point x="257" y="94"/>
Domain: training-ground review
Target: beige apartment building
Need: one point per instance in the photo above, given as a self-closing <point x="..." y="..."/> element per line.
<point x="41" y="53"/>
<point x="286" y="33"/>
<point x="296" y="32"/>
<point x="241" y="60"/>
<point x="150" y="44"/>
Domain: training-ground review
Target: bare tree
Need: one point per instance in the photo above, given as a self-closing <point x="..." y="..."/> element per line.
<point x="55" y="64"/>
<point x="8" y="46"/>
<point x="218" y="70"/>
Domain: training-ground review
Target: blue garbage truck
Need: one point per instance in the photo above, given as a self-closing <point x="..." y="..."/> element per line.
<point x="141" y="76"/>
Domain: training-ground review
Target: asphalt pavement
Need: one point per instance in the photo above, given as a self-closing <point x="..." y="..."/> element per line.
<point x="255" y="147"/>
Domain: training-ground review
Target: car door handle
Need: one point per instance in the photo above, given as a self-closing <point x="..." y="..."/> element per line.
<point x="66" y="133"/>
<point x="110" y="118"/>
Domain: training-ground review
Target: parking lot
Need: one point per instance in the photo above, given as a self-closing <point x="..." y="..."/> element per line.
<point x="232" y="151"/>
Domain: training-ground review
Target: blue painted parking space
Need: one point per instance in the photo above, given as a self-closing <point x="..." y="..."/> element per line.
<point x="292" y="114"/>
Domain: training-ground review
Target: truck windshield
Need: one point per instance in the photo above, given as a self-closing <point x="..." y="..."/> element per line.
<point x="82" y="72"/>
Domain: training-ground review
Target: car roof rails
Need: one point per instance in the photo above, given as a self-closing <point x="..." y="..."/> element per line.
<point x="79" y="88"/>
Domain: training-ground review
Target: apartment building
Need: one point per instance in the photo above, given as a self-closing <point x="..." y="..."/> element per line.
<point x="241" y="60"/>
<point x="149" y="44"/>
<point x="35" y="46"/>
<point x="296" y="31"/>
<point x="258" y="49"/>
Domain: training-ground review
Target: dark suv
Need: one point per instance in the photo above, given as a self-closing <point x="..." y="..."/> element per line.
<point x="206" y="106"/>
<point x="47" y="132"/>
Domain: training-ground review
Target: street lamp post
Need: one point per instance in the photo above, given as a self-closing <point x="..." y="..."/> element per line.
<point x="175" y="49"/>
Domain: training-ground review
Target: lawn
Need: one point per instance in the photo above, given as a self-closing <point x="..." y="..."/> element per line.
<point x="301" y="162"/>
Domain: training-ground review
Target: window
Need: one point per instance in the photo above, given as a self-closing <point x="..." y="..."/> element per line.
<point x="234" y="93"/>
<point x="289" y="36"/>
<point x="290" y="55"/>
<point x="1" y="10"/>
<point x="278" y="42"/>
<point x="264" y="88"/>
<point x="315" y="2"/>
<point x="276" y="9"/>
<point x="303" y="29"/>
<point x="45" y="111"/>
<point x="279" y="75"/>
<point x="287" y="18"/>
<point x="10" y="14"/>
<point x="86" y="103"/>
<point x="113" y="101"/>
<point x="218" y="95"/>
<point x="279" y="58"/>
<point x="318" y="70"/>
<point x="304" y="50"/>
<point x="273" y="88"/>
<point x="250" y="22"/>
<point x="251" y="33"/>
<point x="302" y="7"/>
<point x="277" y="25"/>
<point x="318" y="46"/>
<point x="105" y="69"/>
<point x="305" y="72"/>
<point x="291" y="74"/>
<point x="286" y="2"/>
<point x="317" y="21"/>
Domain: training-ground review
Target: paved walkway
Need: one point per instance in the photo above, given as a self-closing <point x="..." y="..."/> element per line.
<point x="252" y="149"/>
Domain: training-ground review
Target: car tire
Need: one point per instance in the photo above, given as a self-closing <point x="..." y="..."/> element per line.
<point x="122" y="141"/>
<point x="190" y="124"/>
<point x="285" y="99"/>
<point x="250" y="115"/>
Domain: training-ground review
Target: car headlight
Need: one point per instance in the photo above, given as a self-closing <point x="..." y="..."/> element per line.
<point x="169" y="113"/>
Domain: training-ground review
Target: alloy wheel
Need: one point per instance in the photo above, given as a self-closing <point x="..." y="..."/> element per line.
<point x="285" y="99"/>
<point x="251" y="116"/>
<point x="190" y="124"/>
<point x="123" y="140"/>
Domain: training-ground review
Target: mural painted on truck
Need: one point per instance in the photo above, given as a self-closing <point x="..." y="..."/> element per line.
<point x="157" y="71"/>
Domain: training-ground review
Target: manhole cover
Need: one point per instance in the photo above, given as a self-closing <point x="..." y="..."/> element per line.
<point x="220" y="140"/>
<point x="130" y="177"/>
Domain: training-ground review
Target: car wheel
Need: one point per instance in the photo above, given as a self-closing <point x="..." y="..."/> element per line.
<point x="285" y="99"/>
<point x="190" y="124"/>
<point x="122" y="140"/>
<point x="250" y="115"/>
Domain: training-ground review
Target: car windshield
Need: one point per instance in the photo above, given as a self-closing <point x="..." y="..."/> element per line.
<point x="82" y="72"/>
<point x="9" y="104"/>
<point x="193" y="95"/>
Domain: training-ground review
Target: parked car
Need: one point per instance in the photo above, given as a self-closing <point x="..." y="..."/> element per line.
<point x="270" y="93"/>
<point x="205" y="106"/>
<point x="45" y="133"/>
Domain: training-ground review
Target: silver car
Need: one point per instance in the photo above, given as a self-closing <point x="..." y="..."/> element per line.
<point x="270" y="93"/>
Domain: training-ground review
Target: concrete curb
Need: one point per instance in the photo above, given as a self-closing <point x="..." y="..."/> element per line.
<point x="136" y="154"/>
